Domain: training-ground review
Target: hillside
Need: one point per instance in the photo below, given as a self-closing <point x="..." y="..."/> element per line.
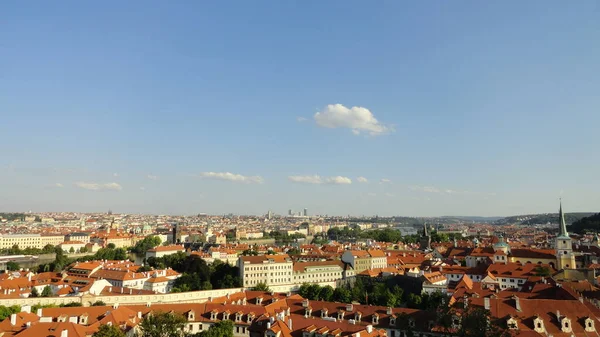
<point x="536" y="219"/>
<point x="587" y="224"/>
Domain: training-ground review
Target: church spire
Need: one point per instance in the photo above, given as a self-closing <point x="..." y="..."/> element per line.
<point x="562" y="223"/>
<point x="425" y="229"/>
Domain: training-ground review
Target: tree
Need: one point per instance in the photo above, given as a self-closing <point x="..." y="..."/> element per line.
<point x="475" y="322"/>
<point x="326" y="293"/>
<point x="11" y="265"/>
<point x="148" y="242"/>
<point x="7" y="311"/>
<point x="98" y="304"/>
<point x="106" y="330"/>
<point x="414" y="301"/>
<point x="72" y="250"/>
<point x="219" y="329"/>
<point x="83" y="249"/>
<point x="542" y="271"/>
<point x="111" y="246"/>
<point x="261" y="287"/>
<point x="162" y="324"/>
<point x="34" y="292"/>
<point x="47" y="292"/>
<point x="342" y="294"/>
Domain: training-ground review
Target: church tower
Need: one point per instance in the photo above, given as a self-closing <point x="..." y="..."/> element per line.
<point x="565" y="258"/>
<point x="425" y="239"/>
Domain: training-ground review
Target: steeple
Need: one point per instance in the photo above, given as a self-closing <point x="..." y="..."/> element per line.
<point x="425" y="229"/>
<point x="562" y="223"/>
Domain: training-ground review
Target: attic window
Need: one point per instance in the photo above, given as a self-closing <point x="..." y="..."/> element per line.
<point x="564" y="242"/>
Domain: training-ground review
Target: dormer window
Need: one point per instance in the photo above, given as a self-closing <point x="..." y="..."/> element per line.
<point x="538" y="325"/>
<point x="357" y="316"/>
<point x="589" y="325"/>
<point x="393" y="320"/>
<point x="411" y="322"/>
<point x="250" y="317"/>
<point x="340" y="315"/>
<point x="308" y="312"/>
<point x="191" y="315"/>
<point x="324" y="313"/>
<point x="375" y="319"/>
<point x="213" y="315"/>
<point x="512" y="324"/>
<point x="566" y="325"/>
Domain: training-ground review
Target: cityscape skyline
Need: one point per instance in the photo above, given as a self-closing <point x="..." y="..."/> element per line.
<point x="388" y="109"/>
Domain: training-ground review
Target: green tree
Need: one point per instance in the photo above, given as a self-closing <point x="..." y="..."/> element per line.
<point x="70" y="305"/>
<point x="475" y="322"/>
<point x="11" y="265"/>
<point x="148" y="242"/>
<point x="342" y="294"/>
<point x="7" y="311"/>
<point x="111" y="246"/>
<point x="414" y="301"/>
<point x="326" y="293"/>
<point x="34" y="292"/>
<point x="47" y="292"/>
<point x="98" y="304"/>
<point x="261" y="287"/>
<point x="162" y="324"/>
<point x="72" y="250"/>
<point x="106" y="330"/>
<point x="83" y="249"/>
<point x="542" y="271"/>
<point x="219" y="329"/>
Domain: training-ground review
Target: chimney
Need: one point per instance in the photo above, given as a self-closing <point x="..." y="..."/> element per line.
<point x="290" y="324"/>
<point x="517" y="303"/>
<point x="64" y="333"/>
<point x="558" y="316"/>
<point x="13" y="319"/>
<point x="139" y="314"/>
<point x="486" y="303"/>
<point x="39" y="312"/>
<point x="369" y="328"/>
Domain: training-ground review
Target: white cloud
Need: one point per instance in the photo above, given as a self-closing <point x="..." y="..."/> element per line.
<point x="152" y="177"/>
<point x="339" y="180"/>
<point x="98" y="187"/>
<point x="362" y="180"/>
<point x="232" y="177"/>
<point x="431" y="189"/>
<point x="316" y="179"/>
<point x="301" y="119"/>
<point x="358" y="119"/>
<point x="385" y="181"/>
<point x="115" y="174"/>
<point x="426" y="189"/>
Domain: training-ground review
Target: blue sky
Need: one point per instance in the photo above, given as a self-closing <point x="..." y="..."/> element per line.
<point x="447" y="108"/>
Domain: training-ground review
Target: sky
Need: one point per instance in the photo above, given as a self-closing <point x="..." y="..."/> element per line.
<point x="341" y="107"/>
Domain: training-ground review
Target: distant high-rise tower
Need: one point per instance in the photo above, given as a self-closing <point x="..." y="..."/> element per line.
<point x="305" y="212"/>
<point x="290" y="212"/>
<point x="269" y="215"/>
